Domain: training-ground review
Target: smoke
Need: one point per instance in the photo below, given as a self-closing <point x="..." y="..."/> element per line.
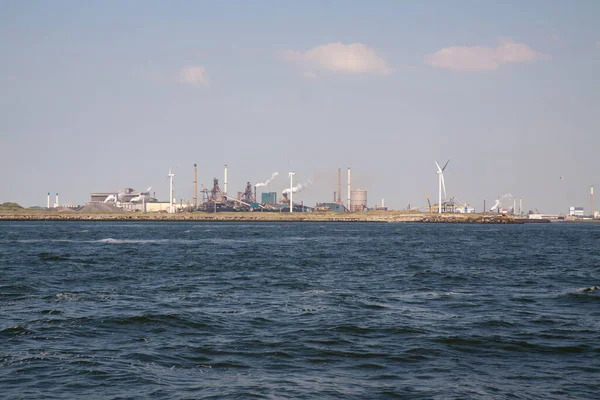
<point x="298" y="188"/>
<point x="495" y="205"/>
<point x="268" y="180"/>
<point x="110" y="198"/>
<point x="504" y="201"/>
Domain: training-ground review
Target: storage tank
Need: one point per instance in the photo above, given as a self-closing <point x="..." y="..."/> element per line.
<point x="358" y="200"/>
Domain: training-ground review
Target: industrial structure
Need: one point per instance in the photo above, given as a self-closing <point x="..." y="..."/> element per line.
<point x="358" y="200"/>
<point x="576" y="212"/>
<point x="592" y="202"/>
<point x="269" y="198"/>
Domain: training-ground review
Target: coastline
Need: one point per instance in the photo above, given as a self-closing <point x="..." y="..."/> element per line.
<point x="369" y="216"/>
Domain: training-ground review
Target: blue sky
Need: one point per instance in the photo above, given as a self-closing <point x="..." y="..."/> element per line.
<point x="98" y="96"/>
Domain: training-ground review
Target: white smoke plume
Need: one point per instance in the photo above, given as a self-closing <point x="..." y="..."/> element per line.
<point x="495" y="205"/>
<point x="111" y="198"/>
<point x="504" y="201"/>
<point x="268" y="180"/>
<point x="298" y="188"/>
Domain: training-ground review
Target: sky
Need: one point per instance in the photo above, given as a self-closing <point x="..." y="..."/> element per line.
<point x="97" y="96"/>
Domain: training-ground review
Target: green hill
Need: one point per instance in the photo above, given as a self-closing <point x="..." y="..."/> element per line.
<point x="10" y="207"/>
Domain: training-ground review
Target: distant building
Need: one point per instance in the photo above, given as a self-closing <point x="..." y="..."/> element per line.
<point x="336" y="207"/>
<point x="576" y="211"/>
<point x="269" y="198"/>
<point x="358" y="200"/>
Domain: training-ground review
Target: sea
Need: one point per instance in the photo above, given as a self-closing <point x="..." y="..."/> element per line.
<point x="201" y="310"/>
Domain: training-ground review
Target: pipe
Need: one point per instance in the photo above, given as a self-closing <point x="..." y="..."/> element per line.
<point x="225" y="181"/>
<point x="195" y="185"/>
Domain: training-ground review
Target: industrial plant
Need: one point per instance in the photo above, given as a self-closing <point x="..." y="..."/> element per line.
<point x="260" y="197"/>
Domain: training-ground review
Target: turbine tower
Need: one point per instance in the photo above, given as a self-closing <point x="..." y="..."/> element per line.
<point x="441" y="184"/>
<point x="292" y="191"/>
<point x="171" y="208"/>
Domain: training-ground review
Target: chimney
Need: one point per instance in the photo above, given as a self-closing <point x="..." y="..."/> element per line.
<point x="592" y="201"/>
<point x="348" y="188"/>
<point x="195" y="185"/>
<point x="521" y="206"/>
<point x="225" y="181"/>
<point x="56" y="204"/>
<point x="339" y="191"/>
<point x="48" y="200"/>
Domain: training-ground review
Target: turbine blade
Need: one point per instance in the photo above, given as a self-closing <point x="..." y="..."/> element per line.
<point x="438" y="166"/>
<point x="445" y="165"/>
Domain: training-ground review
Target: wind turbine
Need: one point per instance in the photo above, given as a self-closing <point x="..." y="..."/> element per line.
<point x="171" y="208"/>
<point x="441" y="184"/>
<point x="292" y="191"/>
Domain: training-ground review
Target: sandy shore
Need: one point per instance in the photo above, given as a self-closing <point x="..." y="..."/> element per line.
<point x="370" y="216"/>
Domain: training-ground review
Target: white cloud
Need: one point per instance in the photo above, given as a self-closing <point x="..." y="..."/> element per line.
<point x="337" y="57"/>
<point x="193" y="75"/>
<point x="480" y="58"/>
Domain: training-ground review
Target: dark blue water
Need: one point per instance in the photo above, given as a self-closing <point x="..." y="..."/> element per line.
<point x="303" y="310"/>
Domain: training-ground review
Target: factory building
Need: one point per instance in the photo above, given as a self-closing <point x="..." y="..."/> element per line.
<point x="576" y="211"/>
<point x="124" y="196"/>
<point x="358" y="200"/>
<point x="336" y="207"/>
<point x="269" y="198"/>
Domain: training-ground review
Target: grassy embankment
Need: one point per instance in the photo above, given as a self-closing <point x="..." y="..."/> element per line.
<point x="13" y="213"/>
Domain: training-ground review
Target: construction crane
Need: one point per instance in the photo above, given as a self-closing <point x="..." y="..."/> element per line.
<point x="429" y="202"/>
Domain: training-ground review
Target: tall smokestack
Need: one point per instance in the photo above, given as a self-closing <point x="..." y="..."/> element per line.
<point x="348" y="188"/>
<point x="255" y="198"/>
<point x="56" y="204"/>
<point x="225" y="181"/>
<point x="592" y="201"/>
<point x="521" y="206"/>
<point x="339" y="191"/>
<point x="48" y="200"/>
<point x="382" y="202"/>
<point x="195" y="185"/>
<point x="514" y="206"/>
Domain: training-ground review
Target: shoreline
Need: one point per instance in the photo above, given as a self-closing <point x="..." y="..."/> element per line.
<point x="400" y="217"/>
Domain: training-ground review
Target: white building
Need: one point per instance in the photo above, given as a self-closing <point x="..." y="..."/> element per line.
<point x="576" y="211"/>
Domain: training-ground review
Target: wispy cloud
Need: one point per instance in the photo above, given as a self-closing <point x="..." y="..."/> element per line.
<point x="193" y="75"/>
<point x="355" y="58"/>
<point x="481" y="58"/>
